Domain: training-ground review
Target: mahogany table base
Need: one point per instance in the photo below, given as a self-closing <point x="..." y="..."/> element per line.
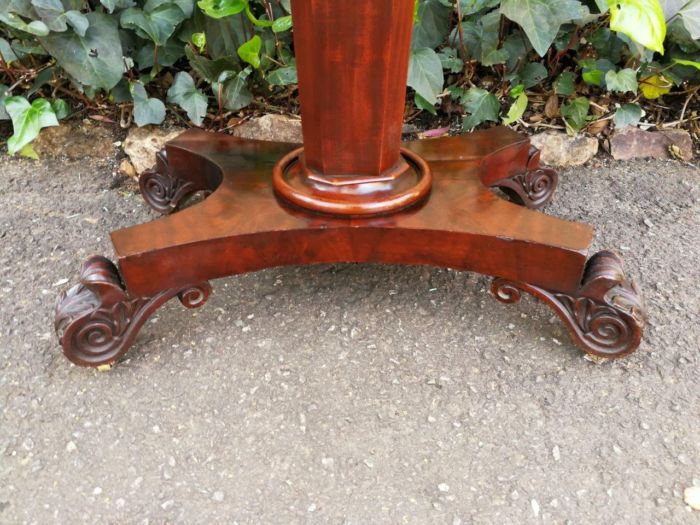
<point x="242" y="226"/>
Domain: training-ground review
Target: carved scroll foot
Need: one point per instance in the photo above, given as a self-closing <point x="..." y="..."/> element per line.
<point x="533" y="187"/>
<point x="162" y="190"/>
<point x="607" y="315"/>
<point x="97" y="321"/>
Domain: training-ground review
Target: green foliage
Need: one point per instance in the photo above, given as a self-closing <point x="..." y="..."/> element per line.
<point x="27" y="121"/>
<point x="147" y="110"/>
<point x="641" y="20"/>
<point x="575" y="114"/>
<point x="485" y="57"/>
<point x="627" y="115"/>
<point x="542" y="19"/>
<point x="185" y="94"/>
<point x="425" y="74"/>
<point x="517" y="109"/>
<point x="621" y="81"/>
<point x="482" y="106"/>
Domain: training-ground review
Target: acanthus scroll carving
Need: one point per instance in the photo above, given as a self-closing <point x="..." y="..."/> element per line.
<point x="162" y="190"/>
<point x="534" y="187"/>
<point x="607" y="315"/>
<point x="97" y="321"/>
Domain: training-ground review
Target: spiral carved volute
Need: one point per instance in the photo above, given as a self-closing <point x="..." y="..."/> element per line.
<point x="535" y="186"/>
<point x="96" y="321"/>
<point x="605" y="318"/>
<point x="162" y="190"/>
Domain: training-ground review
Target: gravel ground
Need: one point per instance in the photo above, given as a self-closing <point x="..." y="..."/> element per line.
<point x="349" y="393"/>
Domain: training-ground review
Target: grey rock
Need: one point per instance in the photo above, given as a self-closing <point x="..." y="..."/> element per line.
<point x="271" y="127"/>
<point x="559" y="149"/>
<point x="630" y="143"/>
<point x="142" y="144"/>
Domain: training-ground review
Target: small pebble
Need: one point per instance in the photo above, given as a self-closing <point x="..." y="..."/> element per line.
<point x="70" y="447"/>
<point x="218" y="496"/>
<point x="535" y="507"/>
<point x="691" y="496"/>
<point x="556" y="453"/>
<point x="443" y="487"/>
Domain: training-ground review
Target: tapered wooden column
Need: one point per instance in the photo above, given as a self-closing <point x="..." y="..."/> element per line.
<point x="352" y="57"/>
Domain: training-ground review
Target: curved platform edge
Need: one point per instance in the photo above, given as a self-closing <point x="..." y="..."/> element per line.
<point x="98" y="320"/>
<point x="172" y="267"/>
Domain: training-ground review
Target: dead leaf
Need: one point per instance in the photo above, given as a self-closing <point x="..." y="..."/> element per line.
<point x="127" y="168"/>
<point x="102" y="118"/>
<point x="597" y="127"/>
<point x="434" y="133"/>
<point x="551" y="108"/>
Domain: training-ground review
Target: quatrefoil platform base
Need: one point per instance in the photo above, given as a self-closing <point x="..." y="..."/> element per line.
<point x="244" y="225"/>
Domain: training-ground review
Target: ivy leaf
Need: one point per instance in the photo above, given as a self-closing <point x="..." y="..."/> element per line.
<point x="489" y="25"/>
<point x="517" y="109"/>
<point x="424" y="105"/>
<point x="641" y="20"/>
<point x="36" y="28"/>
<point x="185" y="94"/>
<point x="690" y="14"/>
<point x="482" y="105"/>
<point x="250" y="51"/>
<point x="684" y="62"/>
<point x="200" y="41"/>
<point x="622" y="81"/>
<point x="51" y="13"/>
<point x="187" y="6"/>
<point x="283" y="76"/>
<point x="471" y="7"/>
<point x="6" y="52"/>
<point x="4" y="115"/>
<point x="27" y="120"/>
<point x="231" y="90"/>
<point x="78" y="22"/>
<point x="450" y="60"/>
<point x="146" y="110"/>
<point x="532" y="74"/>
<point x="60" y="108"/>
<point x="425" y="74"/>
<point x="222" y="8"/>
<point x="627" y="115"/>
<point x="282" y="24"/>
<point x="654" y="86"/>
<point x="575" y="114"/>
<point x="93" y="60"/>
<point x="432" y="26"/>
<point x="564" y="84"/>
<point x="111" y="5"/>
<point x="157" y="24"/>
<point x="541" y="19"/>
<point x="208" y="69"/>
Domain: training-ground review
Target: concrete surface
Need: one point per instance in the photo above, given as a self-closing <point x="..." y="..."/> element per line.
<point x="352" y="393"/>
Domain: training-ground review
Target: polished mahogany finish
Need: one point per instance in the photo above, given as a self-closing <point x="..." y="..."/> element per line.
<point x="352" y="61"/>
<point x="352" y="193"/>
<point x="351" y="163"/>
<point x="242" y="227"/>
